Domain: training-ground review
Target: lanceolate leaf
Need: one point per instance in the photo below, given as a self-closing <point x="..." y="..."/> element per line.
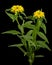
<point x="29" y="25"/>
<point x="43" y="27"/>
<point x="24" y="42"/>
<point x="40" y="34"/>
<point x="39" y="56"/>
<point x="20" y="17"/>
<point x="13" y="32"/>
<point x="31" y="17"/>
<point x="34" y="34"/>
<point x="23" y="14"/>
<point x="25" y="53"/>
<point x="21" y="28"/>
<point x="43" y="44"/>
<point x="12" y="16"/>
<point x="29" y="32"/>
<point x="27" y="37"/>
<point x="45" y="20"/>
<point x="20" y="47"/>
<point x="7" y="10"/>
<point x="16" y="45"/>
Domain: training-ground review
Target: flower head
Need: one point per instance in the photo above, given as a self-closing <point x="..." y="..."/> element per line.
<point x="17" y="8"/>
<point x="39" y="14"/>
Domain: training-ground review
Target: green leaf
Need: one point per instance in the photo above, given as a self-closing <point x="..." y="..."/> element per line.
<point x="43" y="44"/>
<point x="7" y="10"/>
<point x="25" y="53"/>
<point x="16" y="45"/>
<point x="43" y="27"/>
<point x="29" y="25"/>
<point x="39" y="56"/>
<point x="23" y="14"/>
<point x="21" y="28"/>
<point x="45" y="19"/>
<point x="14" y="32"/>
<point x="29" y="39"/>
<point x="20" y="17"/>
<point x="30" y="17"/>
<point x="29" y="32"/>
<point x="24" y="42"/>
<point x="12" y="16"/>
<point x="40" y="34"/>
<point x="28" y="22"/>
<point x="20" y="47"/>
<point x="34" y="34"/>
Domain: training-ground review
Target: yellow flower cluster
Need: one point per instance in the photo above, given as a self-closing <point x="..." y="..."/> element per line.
<point x="39" y="14"/>
<point x="17" y="8"/>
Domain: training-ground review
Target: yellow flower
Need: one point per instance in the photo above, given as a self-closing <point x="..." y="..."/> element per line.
<point x="39" y="14"/>
<point x="17" y="8"/>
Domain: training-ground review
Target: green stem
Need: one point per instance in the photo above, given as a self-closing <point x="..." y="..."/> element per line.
<point x="31" y="58"/>
<point x="35" y="31"/>
<point x="17" y="21"/>
<point x="30" y="62"/>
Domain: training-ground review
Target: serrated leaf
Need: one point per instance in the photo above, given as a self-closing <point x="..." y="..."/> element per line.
<point x="39" y="56"/>
<point x="43" y="44"/>
<point x="12" y="16"/>
<point x="43" y="27"/>
<point x="40" y="34"/>
<point x="13" y="32"/>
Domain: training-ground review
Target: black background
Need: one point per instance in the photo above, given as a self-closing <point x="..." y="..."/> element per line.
<point x="14" y="55"/>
